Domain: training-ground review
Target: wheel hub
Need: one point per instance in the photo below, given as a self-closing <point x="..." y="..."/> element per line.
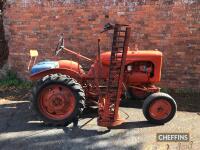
<point x="57" y="101"/>
<point x="160" y="109"/>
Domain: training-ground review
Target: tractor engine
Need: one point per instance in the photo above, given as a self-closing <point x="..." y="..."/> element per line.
<point x="139" y="72"/>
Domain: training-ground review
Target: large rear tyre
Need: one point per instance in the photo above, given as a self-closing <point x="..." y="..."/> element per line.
<point x="58" y="100"/>
<point x="159" y="108"/>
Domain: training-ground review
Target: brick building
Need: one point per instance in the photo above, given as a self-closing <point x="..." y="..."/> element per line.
<point x="172" y="26"/>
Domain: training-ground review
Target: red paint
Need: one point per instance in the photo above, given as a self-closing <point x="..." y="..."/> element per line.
<point x="57" y="102"/>
<point x="160" y="109"/>
<point x="72" y="65"/>
<point x="138" y="56"/>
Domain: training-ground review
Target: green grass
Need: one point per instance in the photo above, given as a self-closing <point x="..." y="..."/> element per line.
<point x="11" y="80"/>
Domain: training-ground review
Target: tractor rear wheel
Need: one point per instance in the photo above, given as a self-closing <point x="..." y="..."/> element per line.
<point x="58" y="99"/>
<point x="159" y="108"/>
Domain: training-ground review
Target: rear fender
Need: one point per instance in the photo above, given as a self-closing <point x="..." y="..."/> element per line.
<point x="73" y="74"/>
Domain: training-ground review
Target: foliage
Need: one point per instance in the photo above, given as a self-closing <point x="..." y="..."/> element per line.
<point x="11" y="80"/>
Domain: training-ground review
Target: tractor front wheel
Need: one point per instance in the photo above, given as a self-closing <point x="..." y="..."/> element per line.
<point x="58" y="99"/>
<point x="159" y="108"/>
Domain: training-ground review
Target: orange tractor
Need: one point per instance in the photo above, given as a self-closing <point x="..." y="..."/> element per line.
<point x="64" y="89"/>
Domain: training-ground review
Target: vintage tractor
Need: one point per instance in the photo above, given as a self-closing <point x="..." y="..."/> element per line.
<point x="63" y="89"/>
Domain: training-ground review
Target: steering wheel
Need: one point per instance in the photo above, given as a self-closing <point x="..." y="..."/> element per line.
<point x="60" y="45"/>
<point x="107" y="27"/>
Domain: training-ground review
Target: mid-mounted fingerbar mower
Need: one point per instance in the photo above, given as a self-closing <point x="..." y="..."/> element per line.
<point x="63" y="89"/>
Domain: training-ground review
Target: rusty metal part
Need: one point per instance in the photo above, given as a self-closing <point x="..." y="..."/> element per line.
<point x="146" y="89"/>
<point x="109" y="105"/>
<point x="78" y="55"/>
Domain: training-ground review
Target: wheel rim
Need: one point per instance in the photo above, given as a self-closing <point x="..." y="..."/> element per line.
<point x="56" y="102"/>
<point x="160" y="109"/>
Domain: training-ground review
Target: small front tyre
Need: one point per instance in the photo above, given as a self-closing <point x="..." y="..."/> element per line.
<point x="159" y="108"/>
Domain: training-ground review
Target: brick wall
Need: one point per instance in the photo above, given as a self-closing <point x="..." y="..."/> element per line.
<point x="172" y="26"/>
